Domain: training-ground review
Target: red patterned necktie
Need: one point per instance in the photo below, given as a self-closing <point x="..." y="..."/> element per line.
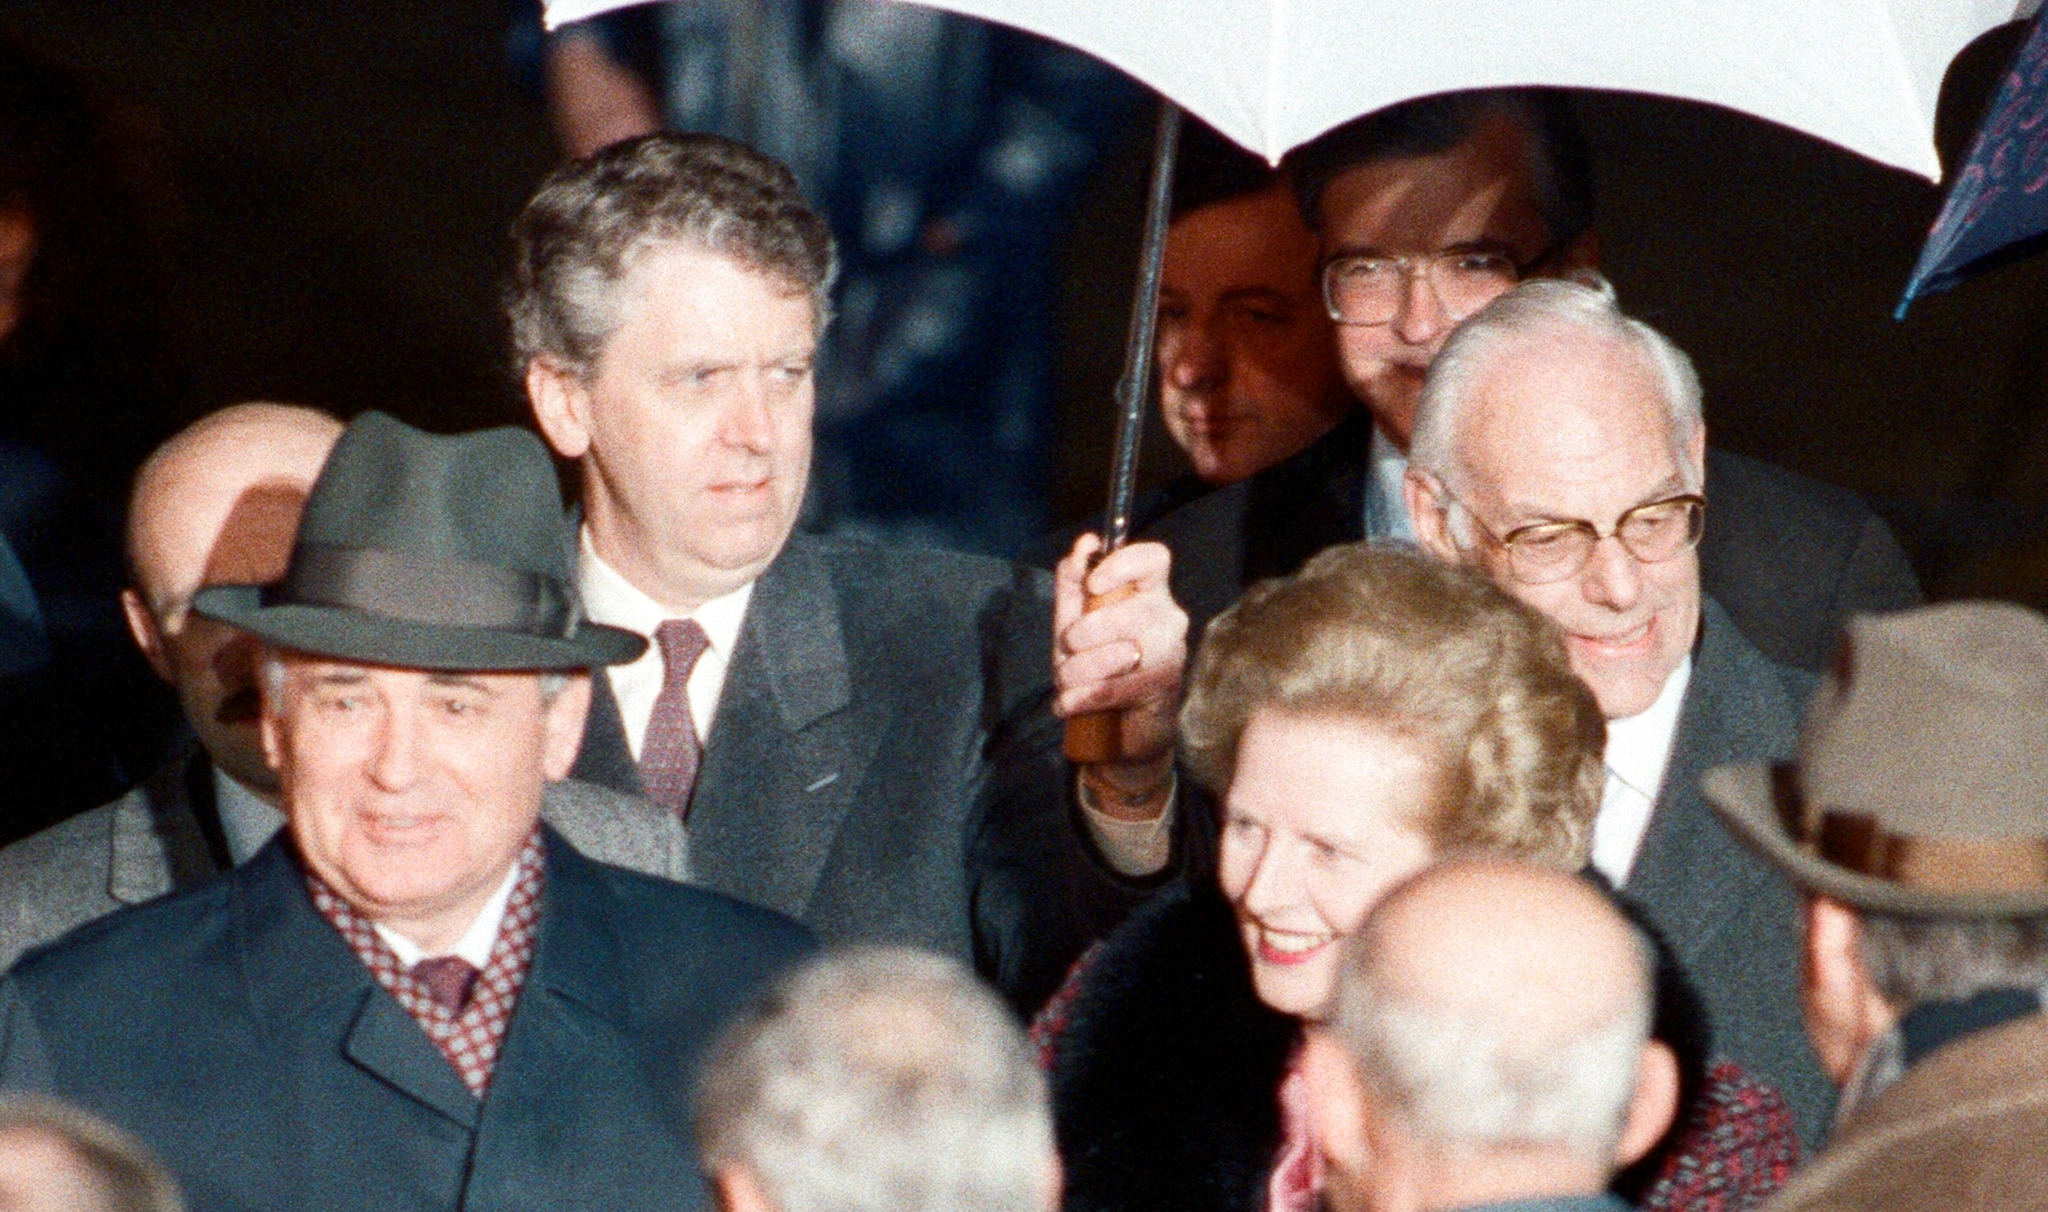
<point x="449" y="978"/>
<point x="671" y="750"/>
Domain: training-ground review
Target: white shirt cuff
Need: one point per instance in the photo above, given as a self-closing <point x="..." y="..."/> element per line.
<point x="1133" y="849"/>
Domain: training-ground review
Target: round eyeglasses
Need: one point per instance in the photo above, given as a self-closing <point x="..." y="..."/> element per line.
<point x="1367" y="290"/>
<point x="1542" y="553"/>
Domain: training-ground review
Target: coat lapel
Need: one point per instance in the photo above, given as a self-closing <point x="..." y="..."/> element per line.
<point x="1691" y="874"/>
<point x="789" y="745"/>
<point x="577" y="1052"/>
<point x="296" y="967"/>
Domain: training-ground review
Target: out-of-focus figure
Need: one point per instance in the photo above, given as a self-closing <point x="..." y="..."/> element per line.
<point x="55" y="1158"/>
<point x="877" y="1080"/>
<point x="1488" y="1047"/>
<point x="1248" y="371"/>
<point x="943" y="151"/>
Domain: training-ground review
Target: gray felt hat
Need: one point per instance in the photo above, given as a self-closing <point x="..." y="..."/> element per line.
<point x="1922" y="782"/>
<point x="430" y="552"/>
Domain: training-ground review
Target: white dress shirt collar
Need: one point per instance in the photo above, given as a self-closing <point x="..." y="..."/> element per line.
<point x="1386" y="509"/>
<point x="608" y="597"/>
<point x="1638" y="751"/>
<point x="476" y="942"/>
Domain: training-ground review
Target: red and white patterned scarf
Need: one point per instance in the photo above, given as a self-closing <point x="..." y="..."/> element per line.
<point x="470" y="1040"/>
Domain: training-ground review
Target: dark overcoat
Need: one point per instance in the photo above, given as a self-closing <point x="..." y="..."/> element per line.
<point x="233" y="1030"/>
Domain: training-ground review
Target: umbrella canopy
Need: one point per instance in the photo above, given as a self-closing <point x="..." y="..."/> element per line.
<point x="2000" y="198"/>
<point x="1273" y="74"/>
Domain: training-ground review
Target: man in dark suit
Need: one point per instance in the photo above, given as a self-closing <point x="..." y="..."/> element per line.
<point x="421" y="996"/>
<point x="1559" y="448"/>
<point x="1488" y="1048"/>
<point x="218" y="504"/>
<point x="860" y="735"/>
<point x="1425" y="212"/>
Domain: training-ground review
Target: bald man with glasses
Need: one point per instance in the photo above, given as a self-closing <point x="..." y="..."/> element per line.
<point x="1559" y="448"/>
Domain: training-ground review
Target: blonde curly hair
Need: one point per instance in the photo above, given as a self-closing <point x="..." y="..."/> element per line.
<point x="1431" y="651"/>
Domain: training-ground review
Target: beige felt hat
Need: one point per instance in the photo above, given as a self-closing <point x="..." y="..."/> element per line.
<point x="1922" y="782"/>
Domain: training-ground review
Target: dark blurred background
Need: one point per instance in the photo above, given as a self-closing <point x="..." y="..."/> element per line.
<point x="335" y="181"/>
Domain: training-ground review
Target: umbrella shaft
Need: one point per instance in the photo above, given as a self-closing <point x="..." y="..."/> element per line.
<point x="1131" y="392"/>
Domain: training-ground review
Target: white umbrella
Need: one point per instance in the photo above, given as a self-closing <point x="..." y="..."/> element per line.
<point x="1273" y="74"/>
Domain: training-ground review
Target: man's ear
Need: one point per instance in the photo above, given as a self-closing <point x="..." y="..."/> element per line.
<point x="1654" y="1106"/>
<point x="1429" y="514"/>
<point x="1336" y="1101"/>
<point x="267" y="716"/>
<point x="1845" y="1013"/>
<point x="142" y="627"/>
<point x="737" y="1190"/>
<point x="563" y="722"/>
<point x="561" y="406"/>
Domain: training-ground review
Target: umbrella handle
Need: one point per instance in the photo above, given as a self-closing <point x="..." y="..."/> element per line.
<point x="1097" y="736"/>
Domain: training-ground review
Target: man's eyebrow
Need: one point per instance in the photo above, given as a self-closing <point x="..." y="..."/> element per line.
<point x="340" y="675"/>
<point x="1670" y="486"/>
<point x="461" y="681"/>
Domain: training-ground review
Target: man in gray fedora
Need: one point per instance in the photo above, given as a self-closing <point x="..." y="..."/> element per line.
<point x="1916" y="822"/>
<point x="219" y="503"/>
<point x="419" y="996"/>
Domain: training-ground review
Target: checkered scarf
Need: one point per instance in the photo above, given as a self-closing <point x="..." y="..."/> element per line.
<point x="469" y="1040"/>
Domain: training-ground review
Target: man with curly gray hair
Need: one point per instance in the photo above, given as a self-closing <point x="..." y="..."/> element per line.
<point x="878" y="1080"/>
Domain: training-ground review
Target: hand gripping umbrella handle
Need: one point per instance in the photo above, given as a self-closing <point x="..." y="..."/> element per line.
<point x="1094" y="737"/>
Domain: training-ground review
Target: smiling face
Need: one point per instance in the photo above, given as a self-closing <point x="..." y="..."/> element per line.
<point x="693" y="425"/>
<point x="1247" y="365"/>
<point x="1568" y="426"/>
<point x="411" y="792"/>
<point x="1323" y="815"/>
<point x="1474" y="196"/>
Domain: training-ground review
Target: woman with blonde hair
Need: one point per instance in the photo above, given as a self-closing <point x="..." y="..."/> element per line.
<point x="1356" y="722"/>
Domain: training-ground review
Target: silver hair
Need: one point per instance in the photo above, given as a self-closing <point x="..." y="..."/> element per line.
<point x="125" y="1176"/>
<point x="1517" y="321"/>
<point x="1917" y="959"/>
<point x="552" y="681"/>
<point x="1463" y="1080"/>
<point x="880" y="1080"/>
